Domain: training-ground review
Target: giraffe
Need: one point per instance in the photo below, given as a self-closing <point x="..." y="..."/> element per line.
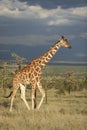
<point x="31" y="74"/>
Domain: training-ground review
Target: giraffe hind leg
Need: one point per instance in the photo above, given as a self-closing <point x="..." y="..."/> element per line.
<point x="22" y="88"/>
<point x="12" y="99"/>
<point x="33" y="96"/>
<point x="42" y="92"/>
<point x="35" y="103"/>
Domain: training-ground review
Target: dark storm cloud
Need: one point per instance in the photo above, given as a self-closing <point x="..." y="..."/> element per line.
<point x="17" y="27"/>
<point x="40" y="23"/>
<point x="51" y="4"/>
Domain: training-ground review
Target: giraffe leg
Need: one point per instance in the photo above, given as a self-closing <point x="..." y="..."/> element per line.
<point x="11" y="103"/>
<point x="12" y="99"/>
<point x="33" y="96"/>
<point x="42" y="92"/>
<point x="22" y="88"/>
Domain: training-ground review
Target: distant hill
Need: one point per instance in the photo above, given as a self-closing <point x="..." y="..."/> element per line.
<point x="68" y="63"/>
<point x="31" y="52"/>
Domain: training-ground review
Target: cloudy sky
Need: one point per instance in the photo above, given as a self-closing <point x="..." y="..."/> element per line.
<point x="42" y="22"/>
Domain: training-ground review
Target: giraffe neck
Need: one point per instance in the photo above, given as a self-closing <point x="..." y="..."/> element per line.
<point x="46" y="57"/>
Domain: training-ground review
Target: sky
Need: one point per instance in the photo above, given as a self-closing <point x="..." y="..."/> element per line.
<point x="36" y="23"/>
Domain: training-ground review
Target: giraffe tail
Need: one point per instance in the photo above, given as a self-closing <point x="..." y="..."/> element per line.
<point x="9" y="95"/>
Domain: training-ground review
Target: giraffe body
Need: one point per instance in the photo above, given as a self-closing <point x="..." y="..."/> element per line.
<point x="31" y="74"/>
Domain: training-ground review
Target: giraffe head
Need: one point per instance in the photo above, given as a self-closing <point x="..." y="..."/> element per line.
<point x="64" y="42"/>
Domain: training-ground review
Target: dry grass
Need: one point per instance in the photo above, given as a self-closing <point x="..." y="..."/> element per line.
<point x="61" y="113"/>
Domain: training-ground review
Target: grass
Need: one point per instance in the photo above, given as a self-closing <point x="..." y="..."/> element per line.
<point x="66" y="112"/>
<point x="62" y="112"/>
<point x="56" y="70"/>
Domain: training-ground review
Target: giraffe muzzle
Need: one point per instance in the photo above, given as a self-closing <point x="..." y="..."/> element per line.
<point x="69" y="47"/>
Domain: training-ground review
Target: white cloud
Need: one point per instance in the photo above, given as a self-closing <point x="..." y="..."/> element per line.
<point x="11" y="8"/>
<point x="18" y="9"/>
<point x="62" y="21"/>
<point x="80" y="11"/>
<point x="58" y="16"/>
<point x="83" y="35"/>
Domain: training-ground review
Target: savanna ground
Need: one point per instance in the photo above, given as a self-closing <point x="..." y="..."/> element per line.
<point x="61" y="112"/>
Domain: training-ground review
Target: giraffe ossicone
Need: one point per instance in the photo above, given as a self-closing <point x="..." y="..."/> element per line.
<point x="31" y="74"/>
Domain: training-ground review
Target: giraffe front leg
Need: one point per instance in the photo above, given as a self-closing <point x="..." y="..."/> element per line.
<point x="42" y="92"/>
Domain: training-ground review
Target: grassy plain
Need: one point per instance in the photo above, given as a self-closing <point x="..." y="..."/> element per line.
<point x="62" y="112"/>
<point x="66" y="112"/>
<point x="55" y="70"/>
